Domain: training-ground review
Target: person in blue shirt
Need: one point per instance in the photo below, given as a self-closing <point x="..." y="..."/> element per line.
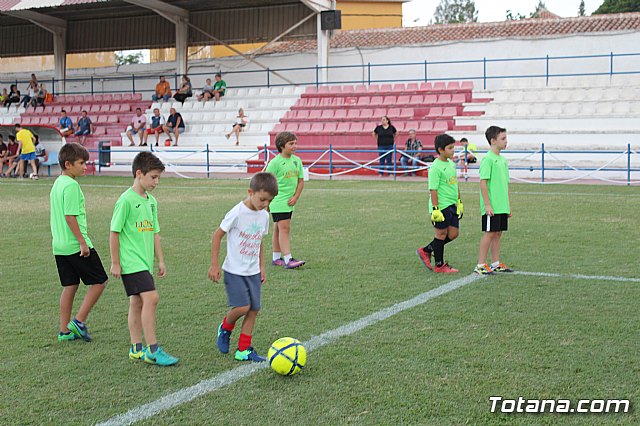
<point x="156" y="124"/>
<point x="66" y="125"/>
<point x="85" y="127"/>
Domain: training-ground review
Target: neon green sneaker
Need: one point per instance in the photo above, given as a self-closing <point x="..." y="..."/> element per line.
<point x="63" y="337"/>
<point x="135" y="355"/>
<point x="159" y="357"/>
<point x="249" y="354"/>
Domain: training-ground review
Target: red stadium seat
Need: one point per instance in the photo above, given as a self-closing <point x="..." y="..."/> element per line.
<point x="108" y="97"/>
<point x="340" y="114"/>
<point x="311" y="90"/>
<point x="360" y="89"/>
<point x="364" y="101"/>
<point x="379" y="112"/>
<point x="449" y="112"/>
<point x="466" y="85"/>
<point x="343" y="127"/>
<point x="376" y="101"/>
<point x="399" y="87"/>
<point x="367" y="113"/>
<point x="412" y="87"/>
<point x="440" y="126"/>
<point x="458" y="98"/>
<point x="444" y="99"/>
<point x="430" y="99"/>
<point x="104" y="108"/>
<point x="347" y="90"/>
<point x="303" y="127"/>
<point x="353" y="114"/>
<point x="373" y="88"/>
<point x="315" y="114"/>
<point x="386" y="88"/>
<point x="453" y="86"/>
<point x="425" y="126"/>
<point x="57" y="109"/>
<point x="94" y="108"/>
<point x="393" y="113"/>
<point x="327" y="114"/>
<point x="389" y="100"/>
<point x="426" y="86"/>
<point x="358" y="127"/>
<point x="406" y="113"/>
<point x="435" y="112"/>
<point x="317" y="127"/>
<point x="330" y="127"/>
<point x="302" y="114"/>
<point x="416" y="100"/>
<point x="439" y="86"/>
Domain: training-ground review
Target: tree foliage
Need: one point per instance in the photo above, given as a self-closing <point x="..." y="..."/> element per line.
<point x="517" y="16"/>
<point x="618" y="6"/>
<point x="581" y="11"/>
<point x="455" y="11"/>
<point x="123" y="59"/>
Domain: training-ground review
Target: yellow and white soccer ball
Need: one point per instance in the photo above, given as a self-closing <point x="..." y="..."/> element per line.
<point x="287" y="356"/>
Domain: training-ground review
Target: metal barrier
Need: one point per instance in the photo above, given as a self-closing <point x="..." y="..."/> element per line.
<point x="611" y="64"/>
<point x="338" y="162"/>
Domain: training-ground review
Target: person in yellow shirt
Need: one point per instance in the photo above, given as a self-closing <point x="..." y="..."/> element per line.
<point x="27" y="148"/>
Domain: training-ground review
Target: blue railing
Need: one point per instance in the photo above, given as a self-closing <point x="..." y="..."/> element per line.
<point x="338" y="162"/>
<point x="608" y="64"/>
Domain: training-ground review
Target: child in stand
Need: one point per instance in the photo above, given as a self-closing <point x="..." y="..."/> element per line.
<point x="494" y="202"/>
<point x="287" y="168"/>
<point x="134" y="240"/>
<point x="76" y="258"/>
<point x="244" y="273"/>
<point x="445" y="205"/>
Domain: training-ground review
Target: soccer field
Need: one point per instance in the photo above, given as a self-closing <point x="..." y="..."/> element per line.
<point x="568" y="330"/>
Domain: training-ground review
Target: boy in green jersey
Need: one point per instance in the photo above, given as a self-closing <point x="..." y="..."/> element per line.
<point x="494" y="202"/>
<point x="76" y="259"/>
<point x="287" y="168"/>
<point x="134" y="240"/>
<point x="444" y="204"/>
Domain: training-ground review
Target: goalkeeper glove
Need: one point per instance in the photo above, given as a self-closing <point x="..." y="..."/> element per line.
<point x="436" y="215"/>
<point x="459" y="209"/>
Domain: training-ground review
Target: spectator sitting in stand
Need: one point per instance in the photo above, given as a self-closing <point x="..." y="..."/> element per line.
<point x="220" y="87"/>
<point x="207" y="91"/>
<point x="4" y="153"/>
<point x="32" y="91"/>
<point x="156" y="126"/>
<point x="38" y="100"/>
<point x="66" y="125"/>
<point x="13" y="156"/>
<point x="185" y="90"/>
<point x="4" y="96"/>
<point x="239" y="125"/>
<point x="163" y="90"/>
<point x="137" y="126"/>
<point x="470" y="150"/>
<point x="85" y="127"/>
<point x="14" y="96"/>
<point x="412" y="149"/>
<point x="175" y="125"/>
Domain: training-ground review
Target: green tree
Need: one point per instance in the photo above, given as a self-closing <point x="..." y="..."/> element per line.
<point x="121" y="59"/>
<point x="455" y="11"/>
<point x="581" y="11"/>
<point x="618" y="6"/>
<point x="517" y="16"/>
<point x="541" y="5"/>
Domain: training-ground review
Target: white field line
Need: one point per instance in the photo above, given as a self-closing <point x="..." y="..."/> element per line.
<point x="579" y="277"/>
<point x="231" y="376"/>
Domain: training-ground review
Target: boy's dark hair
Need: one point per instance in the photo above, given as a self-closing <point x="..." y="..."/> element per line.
<point x="72" y="152"/>
<point x="65" y="111"/>
<point x="493" y="132"/>
<point x="12" y="138"/>
<point x="218" y="75"/>
<point x="145" y="162"/>
<point x="282" y="138"/>
<point x="464" y="140"/>
<point x="18" y="126"/>
<point x="442" y="141"/>
<point x="264" y="181"/>
<point x="85" y="111"/>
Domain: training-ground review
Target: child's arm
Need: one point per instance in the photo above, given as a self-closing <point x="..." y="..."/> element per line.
<point x="214" y="269"/>
<point x="162" y="268"/>
<point x="485" y="196"/>
<point x="434" y="197"/>
<point x="72" y="223"/>
<point x="114" y="248"/>
<point x="509" y="198"/>
<point x="293" y="200"/>
<point x="263" y="271"/>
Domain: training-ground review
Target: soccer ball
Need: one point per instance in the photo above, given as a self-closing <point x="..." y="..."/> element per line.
<point x="287" y="356"/>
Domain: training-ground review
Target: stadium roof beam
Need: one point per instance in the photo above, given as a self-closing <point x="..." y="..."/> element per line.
<point x="180" y="18"/>
<point x="58" y="28"/>
<point x="324" y="36"/>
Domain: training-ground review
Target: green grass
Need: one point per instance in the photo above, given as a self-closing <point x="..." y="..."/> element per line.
<point x="438" y="363"/>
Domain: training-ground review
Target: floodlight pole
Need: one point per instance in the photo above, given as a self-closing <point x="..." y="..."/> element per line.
<point x="323" y="37"/>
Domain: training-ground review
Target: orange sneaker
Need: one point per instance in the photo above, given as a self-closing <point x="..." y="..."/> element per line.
<point x="445" y="268"/>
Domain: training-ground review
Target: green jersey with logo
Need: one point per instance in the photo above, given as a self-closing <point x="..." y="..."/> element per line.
<point x="135" y="219"/>
<point x="494" y="169"/>
<point x="67" y="199"/>
<point x="443" y="178"/>
<point x="287" y="171"/>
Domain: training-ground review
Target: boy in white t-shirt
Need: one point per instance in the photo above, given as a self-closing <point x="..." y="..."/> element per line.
<point x="244" y="273"/>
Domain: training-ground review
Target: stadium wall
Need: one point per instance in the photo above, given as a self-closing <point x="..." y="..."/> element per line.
<point x="352" y="63"/>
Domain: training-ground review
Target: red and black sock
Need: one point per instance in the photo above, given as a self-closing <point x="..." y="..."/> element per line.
<point x="227" y="326"/>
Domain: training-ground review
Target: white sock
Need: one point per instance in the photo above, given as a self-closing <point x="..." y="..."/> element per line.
<point x="287" y="258"/>
<point x="276" y="255"/>
<point x="495" y="264"/>
<point x="480" y="265"/>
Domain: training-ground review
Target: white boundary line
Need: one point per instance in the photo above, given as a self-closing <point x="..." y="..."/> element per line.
<point x="231" y="376"/>
<point x="579" y="277"/>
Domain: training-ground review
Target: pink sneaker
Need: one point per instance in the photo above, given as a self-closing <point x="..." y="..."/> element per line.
<point x="279" y="262"/>
<point x="293" y="264"/>
<point x="425" y="257"/>
<point x="445" y="268"/>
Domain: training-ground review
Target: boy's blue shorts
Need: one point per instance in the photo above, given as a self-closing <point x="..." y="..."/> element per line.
<point x="243" y="291"/>
<point x="28" y="157"/>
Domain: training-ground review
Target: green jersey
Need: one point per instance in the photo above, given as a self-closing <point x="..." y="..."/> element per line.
<point x="287" y="171"/>
<point x="220" y="85"/>
<point x="443" y="178"/>
<point x="135" y="219"/>
<point x="494" y="169"/>
<point x="67" y="199"/>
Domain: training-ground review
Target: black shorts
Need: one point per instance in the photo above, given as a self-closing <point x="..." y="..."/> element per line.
<point x="277" y="217"/>
<point x="495" y="223"/>
<point x="450" y="218"/>
<point x="472" y="160"/>
<point x="138" y="282"/>
<point x="73" y="268"/>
